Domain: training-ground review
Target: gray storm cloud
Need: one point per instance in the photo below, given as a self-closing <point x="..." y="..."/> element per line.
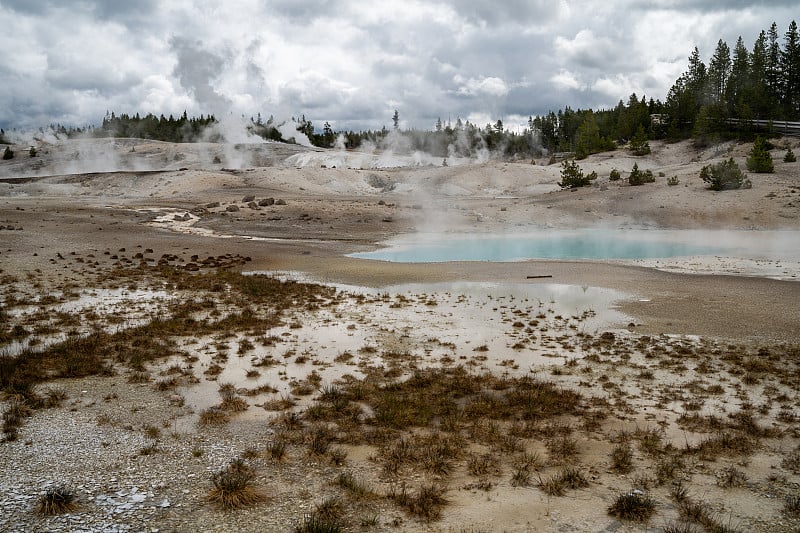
<point x="352" y="63"/>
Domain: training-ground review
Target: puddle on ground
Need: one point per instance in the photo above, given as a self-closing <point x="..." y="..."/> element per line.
<point x="117" y="309"/>
<point x="512" y="328"/>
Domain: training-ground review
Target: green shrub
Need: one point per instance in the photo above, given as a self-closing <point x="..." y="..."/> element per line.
<point x="32" y="151"/>
<point x="572" y="176"/>
<point x="724" y="176"/>
<point x="673" y="181"/>
<point x="760" y="159"/>
<point x="614" y="176"/>
<point x="8" y="153"/>
<point x="639" y="177"/>
<point x="789" y="157"/>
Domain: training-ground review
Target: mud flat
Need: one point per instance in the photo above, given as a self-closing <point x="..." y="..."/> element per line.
<point x="201" y="336"/>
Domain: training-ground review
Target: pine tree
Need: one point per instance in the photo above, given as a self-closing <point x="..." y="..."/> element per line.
<point x="790" y="70"/>
<point x="639" y="144"/>
<point x="774" y="88"/>
<point x="719" y="69"/>
<point x="738" y="90"/>
<point x="759" y="159"/>
<point x="761" y="102"/>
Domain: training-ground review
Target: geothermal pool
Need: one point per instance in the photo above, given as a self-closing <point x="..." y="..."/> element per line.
<point x="597" y="244"/>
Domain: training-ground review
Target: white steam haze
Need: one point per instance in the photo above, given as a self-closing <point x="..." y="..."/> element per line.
<point x="352" y="63"/>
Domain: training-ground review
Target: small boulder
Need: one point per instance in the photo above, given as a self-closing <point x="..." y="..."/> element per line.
<point x="248" y="199"/>
<point x="212" y="205"/>
<point x="266" y="202"/>
<point x="232" y="209"/>
<point x="280" y="202"/>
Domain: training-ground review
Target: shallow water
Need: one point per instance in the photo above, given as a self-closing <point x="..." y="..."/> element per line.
<point x="601" y="244"/>
<point x="511" y="328"/>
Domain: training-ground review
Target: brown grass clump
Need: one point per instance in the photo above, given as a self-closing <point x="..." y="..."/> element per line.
<point x="56" y="500"/>
<point x="233" y="487"/>
<point x="791" y="505"/>
<point x="426" y="503"/>
<point x="213" y="416"/>
<point x="14" y="416"/>
<point x="634" y="505"/>
<point x="622" y="458"/>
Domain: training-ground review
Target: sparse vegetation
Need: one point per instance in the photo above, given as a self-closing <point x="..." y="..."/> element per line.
<point x="789" y="157"/>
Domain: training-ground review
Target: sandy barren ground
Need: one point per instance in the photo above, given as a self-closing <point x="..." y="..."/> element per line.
<point x="691" y="352"/>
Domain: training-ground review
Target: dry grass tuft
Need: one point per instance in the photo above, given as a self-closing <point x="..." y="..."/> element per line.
<point x="213" y="416"/>
<point x="56" y="500"/>
<point x="634" y="505"/>
<point x="233" y="487"/>
<point x="426" y="503"/>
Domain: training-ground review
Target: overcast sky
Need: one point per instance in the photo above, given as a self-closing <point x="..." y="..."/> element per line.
<point x="352" y="62"/>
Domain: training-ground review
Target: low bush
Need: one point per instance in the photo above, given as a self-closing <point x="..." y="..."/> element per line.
<point x="640" y="177"/>
<point x="572" y="176"/>
<point x="724" y="176"/>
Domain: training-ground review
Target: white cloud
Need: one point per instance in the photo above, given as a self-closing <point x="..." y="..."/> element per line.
<point x="491" y="86"/>
<point x="565" y="79"/>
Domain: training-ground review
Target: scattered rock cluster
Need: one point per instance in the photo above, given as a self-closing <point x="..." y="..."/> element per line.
<point x="248" y="201"/>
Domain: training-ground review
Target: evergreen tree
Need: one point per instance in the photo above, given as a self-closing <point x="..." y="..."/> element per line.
<point x="759" y="159"/>
<point x="738" y="90"/>
<point x="773" y="65"/>
<point x="572" y="175"/>
<point x="761" y="102"/>
<point x="639" y="144"/>
<point x="790" y="70"/>
<point x="587" y="137"/>
<point x="639" y="177"/>
<point x="719" y="69"/>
